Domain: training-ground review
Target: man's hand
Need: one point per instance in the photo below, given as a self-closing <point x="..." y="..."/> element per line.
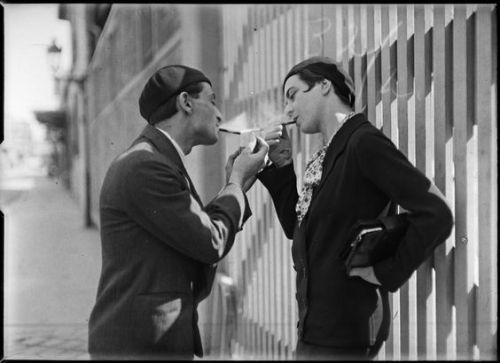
<point x="243" y="165"/>
<point x="366" y="273"/>
<point x="229" y="169"/>
<point x="280" y="147"/>
<point x="230" y="162"/>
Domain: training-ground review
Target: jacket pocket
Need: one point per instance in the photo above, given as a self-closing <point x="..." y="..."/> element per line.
<point x="164" y="321"/>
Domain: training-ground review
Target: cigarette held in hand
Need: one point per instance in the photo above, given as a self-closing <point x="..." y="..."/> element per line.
<point x="250" y="130"/>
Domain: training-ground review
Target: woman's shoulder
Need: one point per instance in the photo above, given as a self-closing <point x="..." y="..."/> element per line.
<point x="367" y="131"/>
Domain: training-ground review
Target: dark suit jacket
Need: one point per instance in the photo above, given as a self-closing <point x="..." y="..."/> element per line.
<point x="362" y="171"/>
<point x="159" y="247"/>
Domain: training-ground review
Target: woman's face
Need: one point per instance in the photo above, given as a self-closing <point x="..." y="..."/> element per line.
<point x="302" y="105"/>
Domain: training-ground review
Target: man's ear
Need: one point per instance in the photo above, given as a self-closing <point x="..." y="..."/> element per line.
<point x="326" y="86"/>
<point x="184" y="103"/>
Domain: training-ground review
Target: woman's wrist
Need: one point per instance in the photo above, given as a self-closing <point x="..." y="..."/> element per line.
<point x="282" y="163"/>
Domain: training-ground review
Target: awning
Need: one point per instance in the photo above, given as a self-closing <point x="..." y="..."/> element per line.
<point x="55" y="118"/>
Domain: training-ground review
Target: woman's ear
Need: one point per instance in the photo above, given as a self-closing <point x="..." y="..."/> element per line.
<point x="184" y="103"/>
<point x="326" y="85"/>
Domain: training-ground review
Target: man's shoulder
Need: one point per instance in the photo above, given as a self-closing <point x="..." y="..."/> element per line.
<point x="139" y="151"/>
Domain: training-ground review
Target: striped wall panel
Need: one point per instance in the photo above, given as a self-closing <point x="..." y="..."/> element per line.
<point x="419" y="75"/>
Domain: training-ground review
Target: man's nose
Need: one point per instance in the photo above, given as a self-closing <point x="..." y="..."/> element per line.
<point x="218" y="116"/>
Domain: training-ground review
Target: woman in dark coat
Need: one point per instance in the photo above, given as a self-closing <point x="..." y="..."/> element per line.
<point x="354" y="176"/>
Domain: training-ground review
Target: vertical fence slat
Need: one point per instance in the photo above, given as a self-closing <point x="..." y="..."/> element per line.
<point x="256" y="31"/>
<point x="277" y="263"/>
<point x="267" y="270"/>
<point x="262" y="97"/>
<point x="371" y="54"/>
<point x="443" y="254"/>
<point x="408" y="323"/>
<point x="385" y="92"/>
<point x="286" y="312"/>
<point x="402" y="82"/>
<point x="314" y="22"/>
<point x="297" y="57"/>
<point x="339" y="36"/>
<point x="252" y="28"/>
<point x="346" y="39"/>
<point x="386" y="70"/>
<point x="329" y="31"/>
<point x="462" y="278"/>
<point x="401" y="350"/>
<point x="430" y="157"/>
<point x="357" y="57"/>
<point x="486" y="323"/>
<point x="275" y="44"/>
<point x="280" y="311"/>
<point x="272" y="260"/>
<point x="424" y="282"/>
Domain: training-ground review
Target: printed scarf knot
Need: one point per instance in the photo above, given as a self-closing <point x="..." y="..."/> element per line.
<point x="312" y="177"/>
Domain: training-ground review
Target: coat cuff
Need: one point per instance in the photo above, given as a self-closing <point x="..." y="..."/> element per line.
<point x="274" y="178"/>
<point x="241" y="198"/>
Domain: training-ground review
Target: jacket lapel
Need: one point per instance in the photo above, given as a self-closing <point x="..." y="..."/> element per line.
<point x="166" y="148"/>
<point x="337" y="147"/>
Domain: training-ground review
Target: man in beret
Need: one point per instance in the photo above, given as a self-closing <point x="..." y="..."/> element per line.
<point x="354" y="176"/>
<point x="160" y="244"/>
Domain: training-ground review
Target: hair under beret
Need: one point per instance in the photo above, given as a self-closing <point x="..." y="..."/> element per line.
<point x="327" y="68"/>
<point x="165" y="83"/>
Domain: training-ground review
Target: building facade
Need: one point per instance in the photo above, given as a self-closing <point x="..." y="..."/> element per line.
<point x="425" y="73"/>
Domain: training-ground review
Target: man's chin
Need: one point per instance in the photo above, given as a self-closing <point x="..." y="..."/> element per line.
<point x="211" y="141"/>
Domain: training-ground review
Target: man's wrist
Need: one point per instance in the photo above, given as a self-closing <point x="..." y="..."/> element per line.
<point x="235" y="182"/>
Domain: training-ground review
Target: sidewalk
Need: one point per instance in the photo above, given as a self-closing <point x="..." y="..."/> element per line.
<point x="51" y="266"/>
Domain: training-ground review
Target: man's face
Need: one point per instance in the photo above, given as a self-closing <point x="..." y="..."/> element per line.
<point x="206" y="117"/>
<point x="302" y="105"/>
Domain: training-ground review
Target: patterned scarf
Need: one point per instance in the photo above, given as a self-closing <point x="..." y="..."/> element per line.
<point x="312" y="177"/>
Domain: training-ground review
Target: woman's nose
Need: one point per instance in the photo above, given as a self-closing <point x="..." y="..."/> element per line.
<point x="288" y="111"/>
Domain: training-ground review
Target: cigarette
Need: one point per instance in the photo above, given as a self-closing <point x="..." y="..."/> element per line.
<point x="250" y="130"/>
<point x="229" y="131"/>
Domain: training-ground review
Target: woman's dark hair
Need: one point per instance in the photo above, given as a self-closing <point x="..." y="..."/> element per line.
<point x="169" y="108"/>
<point x="311" y="78"/>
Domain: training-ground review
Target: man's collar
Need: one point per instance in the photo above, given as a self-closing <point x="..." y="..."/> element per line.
<point x="176" y="145"/>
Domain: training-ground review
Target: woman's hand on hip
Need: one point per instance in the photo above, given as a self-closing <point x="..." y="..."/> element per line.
<point x="366" y="273"/>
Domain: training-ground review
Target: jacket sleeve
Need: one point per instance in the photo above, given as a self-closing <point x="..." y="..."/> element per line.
<point x="430" y="218"/>
<point x="282" y="185"/>
<point x="161" y="202"/>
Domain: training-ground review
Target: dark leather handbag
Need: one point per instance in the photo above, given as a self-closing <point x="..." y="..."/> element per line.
<point x="372" y="241"/>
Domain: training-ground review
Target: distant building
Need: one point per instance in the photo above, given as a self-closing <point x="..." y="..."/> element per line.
<point x="24" y="149"/>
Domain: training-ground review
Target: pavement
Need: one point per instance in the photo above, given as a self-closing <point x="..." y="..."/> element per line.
<point x="51" y="270"/>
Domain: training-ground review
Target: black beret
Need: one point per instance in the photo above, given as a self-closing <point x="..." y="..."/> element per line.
<point x="165" y="83"/>
<point x="327" y="68"/>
